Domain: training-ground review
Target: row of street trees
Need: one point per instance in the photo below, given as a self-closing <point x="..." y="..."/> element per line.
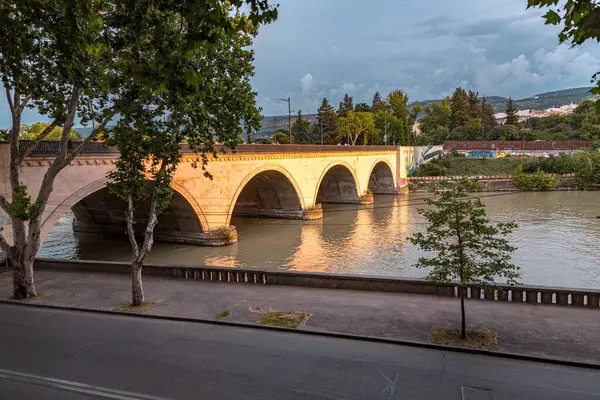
<point x="385" y="121"/>
<point x="161" y="72"/>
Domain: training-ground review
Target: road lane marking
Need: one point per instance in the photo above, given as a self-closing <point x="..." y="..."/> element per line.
<point x="75" y="387"/>
<point x="391" y="383"/>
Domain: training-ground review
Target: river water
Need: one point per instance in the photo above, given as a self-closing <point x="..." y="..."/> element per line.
<point x="558" y="239"/>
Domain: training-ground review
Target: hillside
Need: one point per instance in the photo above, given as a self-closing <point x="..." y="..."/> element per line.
<point x="540" y="101"/>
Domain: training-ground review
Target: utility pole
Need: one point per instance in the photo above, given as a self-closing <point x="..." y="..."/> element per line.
<point x="289" y="116"/>
<point x="348" y="126"/>
<point x="385" y="128"/>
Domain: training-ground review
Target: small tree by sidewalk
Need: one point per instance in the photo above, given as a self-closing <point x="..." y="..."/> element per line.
<point x="201" y="103"/>
<point x="468" y="247"/>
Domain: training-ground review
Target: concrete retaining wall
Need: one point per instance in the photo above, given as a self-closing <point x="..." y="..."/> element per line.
<point x="513" y="294"/>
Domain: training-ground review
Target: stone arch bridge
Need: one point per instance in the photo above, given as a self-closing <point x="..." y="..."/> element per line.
<point x="276" y="181"/>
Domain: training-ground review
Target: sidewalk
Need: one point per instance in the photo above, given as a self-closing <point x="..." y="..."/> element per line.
<point x="549" y="331"/>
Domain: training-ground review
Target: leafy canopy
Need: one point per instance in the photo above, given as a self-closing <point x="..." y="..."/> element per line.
<point x="580" y="20"/>
<point x="467" y="247"/>
<point x="203" y="93"/>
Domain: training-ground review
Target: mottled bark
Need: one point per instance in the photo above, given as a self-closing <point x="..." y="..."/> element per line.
<point x="137" y="289"/>
<point x="463" y="325"/>
<point x="26" y="232"/>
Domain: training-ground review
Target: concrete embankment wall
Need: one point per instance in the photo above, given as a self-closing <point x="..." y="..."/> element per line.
<point x="504" y="293"/>
<point x="494" y="183"/>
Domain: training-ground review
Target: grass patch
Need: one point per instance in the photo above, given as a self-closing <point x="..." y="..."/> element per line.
<point x="224" y="314"/>
<point x="128" y="307"/>
<point x="284" y="319"/>
<point x="39" y="294"/>
<point x="476" y="338"/>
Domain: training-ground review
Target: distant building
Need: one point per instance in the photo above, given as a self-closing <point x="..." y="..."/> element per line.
<point x="416" y="129"/>
<point x="525" y="115"/>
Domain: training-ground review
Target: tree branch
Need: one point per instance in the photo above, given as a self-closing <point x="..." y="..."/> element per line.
<point x="16" y="102"/>
<point x="130" y="230"/>
<point x="88" y="139"/>
<point x="10" y="102"/>
<point x="4" y="204"/>
<point x="4" y="245"/>
<point x="26" y="100"/>
<point x="66" y="132"/>
<point x="29" y="148"/>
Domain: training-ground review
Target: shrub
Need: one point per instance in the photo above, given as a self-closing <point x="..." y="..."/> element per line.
<point x="537" y="181"/>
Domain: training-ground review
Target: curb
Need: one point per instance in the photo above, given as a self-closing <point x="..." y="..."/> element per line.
<point x="348" y="336"/>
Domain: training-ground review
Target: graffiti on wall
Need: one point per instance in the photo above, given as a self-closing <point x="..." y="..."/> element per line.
<point x="420" y="155"/>
<point x="512" y="153"/>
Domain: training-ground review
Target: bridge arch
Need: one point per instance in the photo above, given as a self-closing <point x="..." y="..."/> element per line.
<point x="338" y="184"/>
<point x="268" y="191"/>
<point x="182" y="222"/>
<point x="381" y="178"/>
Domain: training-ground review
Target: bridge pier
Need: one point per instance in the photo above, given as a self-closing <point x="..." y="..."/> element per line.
<point x="303" y="215"/>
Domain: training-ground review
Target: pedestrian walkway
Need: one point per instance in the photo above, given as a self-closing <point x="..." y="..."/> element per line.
<point x="551" y="331"/>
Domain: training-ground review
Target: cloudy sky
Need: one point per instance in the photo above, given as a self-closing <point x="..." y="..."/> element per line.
<point x="325" y="48"/>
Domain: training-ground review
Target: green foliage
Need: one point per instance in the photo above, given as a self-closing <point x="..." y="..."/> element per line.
<point x="21" y="207"/>
<point x="282" y="136"/>
<point x="362" y="107"/>
<point x="356" y="124"/>
<point x="474" y="105"/>
<point x="303" y="132"/>
<point x="346" y="106"/>
<point x="587" y="170"/>
<point x="537" y="181"/>
<point x="512" y="118"/>
<point x="436" y="121"/>
<point x="580" y="20"/>
<point x="377" y="102"/>
<point x="467" y="247"/>
<point x="327" y="118"/>
<point x="504" y="132"/>
<point x="487" y="115"/>
<point x="400" y="127"/>
<point x="30" y="132"/>
<point x="461" y="113"/>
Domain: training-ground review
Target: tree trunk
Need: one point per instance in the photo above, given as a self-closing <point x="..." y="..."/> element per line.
<point x="22" y="272"/>
<point x="137" y="290"/>
<point x="463" y="330"/>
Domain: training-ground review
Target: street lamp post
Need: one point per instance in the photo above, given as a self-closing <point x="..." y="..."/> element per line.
<point x="289" y="116"/>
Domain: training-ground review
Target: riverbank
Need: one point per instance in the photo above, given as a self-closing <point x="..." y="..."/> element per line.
<point x="566" y="333"/>
<point x="488" y="183"/>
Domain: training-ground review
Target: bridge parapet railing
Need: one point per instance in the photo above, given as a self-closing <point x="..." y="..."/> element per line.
<point x="518" y="294"/>
<point x="47" y="148"/>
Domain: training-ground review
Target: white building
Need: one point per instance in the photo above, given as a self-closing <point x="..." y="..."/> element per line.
<point x="524" y="115"/>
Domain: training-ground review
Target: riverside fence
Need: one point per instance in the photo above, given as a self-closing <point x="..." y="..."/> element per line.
<point x="520" y="294"/>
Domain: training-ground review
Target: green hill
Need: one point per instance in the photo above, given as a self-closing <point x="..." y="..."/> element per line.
<point x="537" y="102"/>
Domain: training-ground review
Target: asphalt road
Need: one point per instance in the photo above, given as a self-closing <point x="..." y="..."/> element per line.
<point x="48" y="354"/>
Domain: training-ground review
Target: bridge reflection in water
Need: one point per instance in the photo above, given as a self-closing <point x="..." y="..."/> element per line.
<point x="557" y="240"/>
